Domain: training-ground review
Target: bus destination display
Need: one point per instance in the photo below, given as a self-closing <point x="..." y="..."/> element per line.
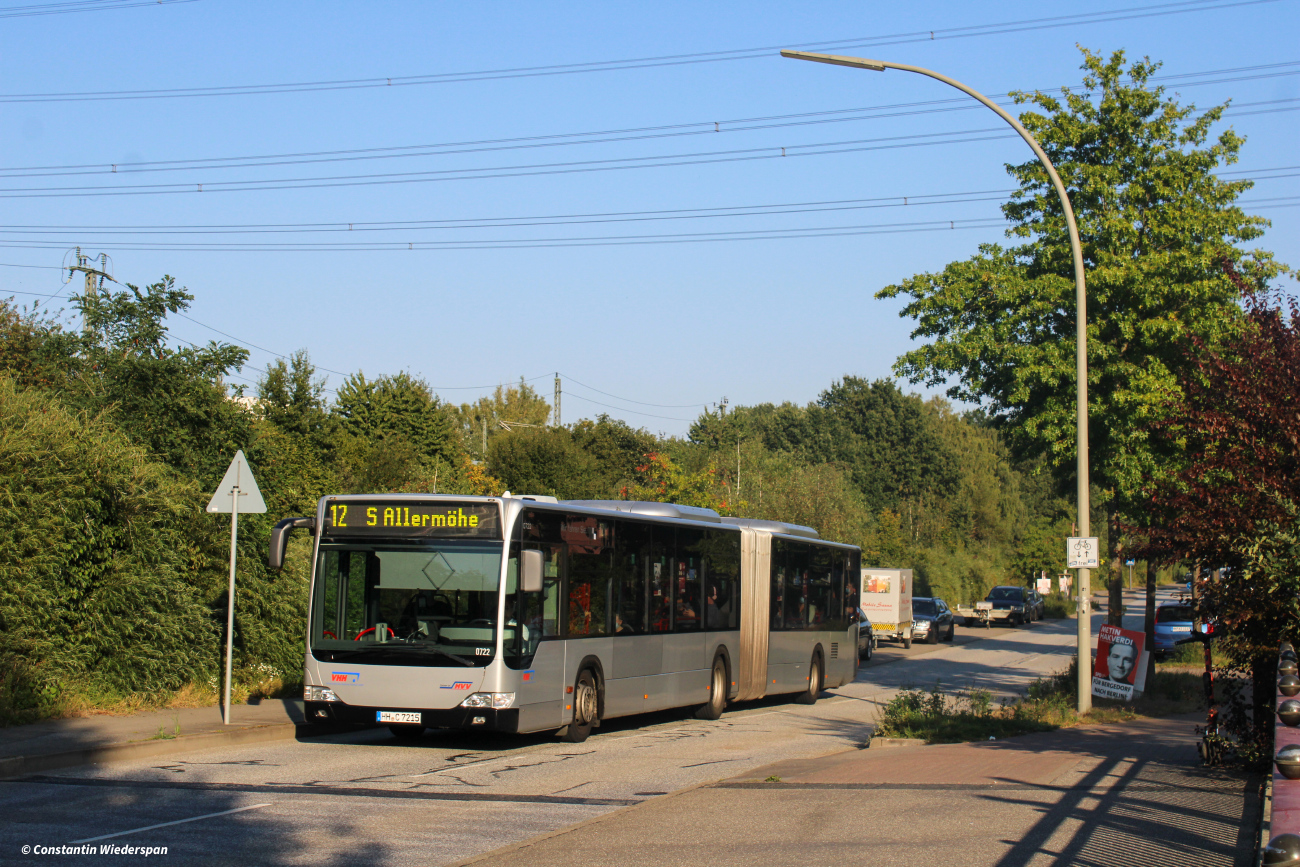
<point x="408" y="518"/>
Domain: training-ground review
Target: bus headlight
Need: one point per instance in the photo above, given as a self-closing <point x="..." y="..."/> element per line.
<point x="495" y="700"/>
<point x="318" y="693"/>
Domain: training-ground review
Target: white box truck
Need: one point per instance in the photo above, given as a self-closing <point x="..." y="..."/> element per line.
<point x="887" y="601"/>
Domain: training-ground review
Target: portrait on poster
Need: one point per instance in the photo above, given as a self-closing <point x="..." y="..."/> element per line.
<point x="1120" y="669"/>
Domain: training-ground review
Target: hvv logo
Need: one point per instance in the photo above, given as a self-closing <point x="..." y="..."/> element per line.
<point x="345" y="677"/>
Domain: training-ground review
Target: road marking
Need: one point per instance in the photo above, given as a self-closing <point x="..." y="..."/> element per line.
<point x="166" y="824"/>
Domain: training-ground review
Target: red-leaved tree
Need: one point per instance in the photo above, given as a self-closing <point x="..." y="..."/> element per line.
<point x="1234" y="501"/>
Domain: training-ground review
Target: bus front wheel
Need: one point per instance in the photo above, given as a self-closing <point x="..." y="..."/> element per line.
<point x="712" y="709"/>
<point x="815" y="680"/>
<point x="586" y="707"/>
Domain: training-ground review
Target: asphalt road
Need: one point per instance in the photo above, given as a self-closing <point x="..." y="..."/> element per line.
<point x="366" y="798"/>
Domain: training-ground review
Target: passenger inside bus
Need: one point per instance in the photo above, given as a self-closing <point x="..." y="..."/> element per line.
<point x="713" y="616"/>
<point x="661" y="617"/>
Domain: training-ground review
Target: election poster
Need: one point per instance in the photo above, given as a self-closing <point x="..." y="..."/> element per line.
<point x="1063" y="581"/>
<point x="1044" y="585"/>
<point x="1121" y="667"/>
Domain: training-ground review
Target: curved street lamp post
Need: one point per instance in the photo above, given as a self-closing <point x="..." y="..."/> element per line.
<point x="1081" y="336"/>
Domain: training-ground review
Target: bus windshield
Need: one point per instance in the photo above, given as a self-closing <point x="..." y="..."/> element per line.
<point x="422" y="602"/>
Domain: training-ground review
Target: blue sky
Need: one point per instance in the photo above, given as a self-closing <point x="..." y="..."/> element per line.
<point x="535" y="283"/>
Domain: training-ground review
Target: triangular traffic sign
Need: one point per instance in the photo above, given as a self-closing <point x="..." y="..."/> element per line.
<point x="239" y="478"/>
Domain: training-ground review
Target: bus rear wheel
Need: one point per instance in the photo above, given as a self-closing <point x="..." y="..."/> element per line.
<point x="815" y="680"/>
<point x="712" y="709"/>
<point x="586" y="708"/>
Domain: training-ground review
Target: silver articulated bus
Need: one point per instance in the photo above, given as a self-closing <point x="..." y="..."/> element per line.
<point x="525" y="614"/>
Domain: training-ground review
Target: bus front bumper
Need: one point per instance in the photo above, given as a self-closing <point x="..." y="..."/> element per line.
<point x="490" y="719"/>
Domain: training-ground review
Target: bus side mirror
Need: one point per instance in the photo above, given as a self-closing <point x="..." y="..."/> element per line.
<point x="531" y="579"/>
<point x="280" y="539"/>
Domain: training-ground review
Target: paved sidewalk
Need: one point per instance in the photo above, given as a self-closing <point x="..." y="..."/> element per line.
<point x="1132" y="794"/>
<point x="73" y="741"/>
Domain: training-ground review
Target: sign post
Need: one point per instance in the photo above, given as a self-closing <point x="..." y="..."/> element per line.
<point x="236" y="483"/>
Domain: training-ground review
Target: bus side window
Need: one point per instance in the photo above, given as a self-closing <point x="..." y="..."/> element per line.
<point x="661" y="580"/>
<point x="690" y="574"/>
<point x="590" y="563"/>
<point x="796" y="586"/>
<point x="835" y="618"/>
<point x="777" y="603"/>
<point x="631" y="558"/>
<point x="819" y="586"/>
<point x="721" y="580"/>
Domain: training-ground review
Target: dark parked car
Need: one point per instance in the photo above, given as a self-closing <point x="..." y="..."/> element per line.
<point x="931" y="619"/>
<point x="866" y="637"/>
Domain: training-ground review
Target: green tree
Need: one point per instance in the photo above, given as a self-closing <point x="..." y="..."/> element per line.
<point x="291" y="397"/>
<point x="986" y="505"/>
<point x="544" y="461"/>
<point x="881" y="436"/>
<point x="508" y="406"/>
<point x="891" y="446"/>
<point x="173" y="400"/>
<point x="394" y="428"/>
<point x="617" y="448"/>
<point x="1157" y="225"/>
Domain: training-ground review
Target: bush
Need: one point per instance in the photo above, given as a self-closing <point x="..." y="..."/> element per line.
<point x="101" y="593"/>
<point x="1058" y="607"/>
<point x="940" y="719"/>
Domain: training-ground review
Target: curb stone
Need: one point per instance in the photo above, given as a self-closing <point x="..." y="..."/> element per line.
<point x="876" y="743"/>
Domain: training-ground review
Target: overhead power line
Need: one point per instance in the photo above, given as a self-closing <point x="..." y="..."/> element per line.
<point x="633" y="411"/>
<point x="972" y="31"/>
<point x="71" y="6"/>
<point x="734" y="155"/>
<point x="535" y="220"/>
<point x="674" y="130"/>
<point x="656" y="215"/>
<point x="789" y="233"/>
<point x="519" y="244"/>
<point x="590" y="241"/>
<point x="630" y="400"/>
<point x="525" y="170"/>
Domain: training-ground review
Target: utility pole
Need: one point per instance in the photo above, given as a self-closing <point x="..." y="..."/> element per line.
<point x="558" y="423"/>
<point x="484" y="420"/>
<point x="86" y="265"/>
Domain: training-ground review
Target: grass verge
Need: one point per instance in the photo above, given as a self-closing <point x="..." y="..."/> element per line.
<point x="1049" y="703"/>
<point x="27" y="699"/>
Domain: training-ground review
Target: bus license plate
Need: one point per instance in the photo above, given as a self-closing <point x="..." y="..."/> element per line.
<point x="394" y="716"/>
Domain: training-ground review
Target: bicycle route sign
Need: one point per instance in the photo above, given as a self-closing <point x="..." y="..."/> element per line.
<point x="1081" y="553"/>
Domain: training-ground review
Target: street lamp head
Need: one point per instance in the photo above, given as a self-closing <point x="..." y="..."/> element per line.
<point x="858" y="62"/>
